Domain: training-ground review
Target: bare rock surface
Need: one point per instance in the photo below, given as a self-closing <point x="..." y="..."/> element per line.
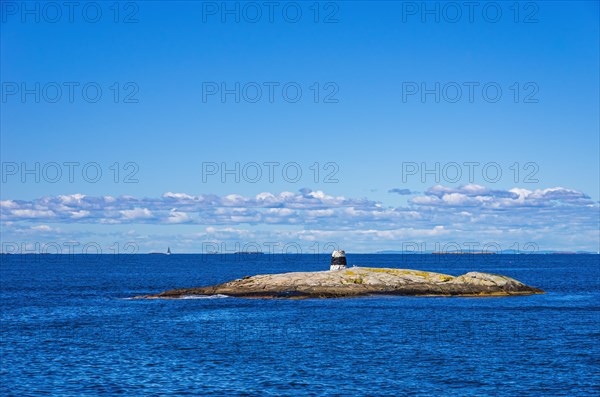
<point x="359" y="281"/>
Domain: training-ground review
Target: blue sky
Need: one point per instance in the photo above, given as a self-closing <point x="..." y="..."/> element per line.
<point x="366" y="131"/>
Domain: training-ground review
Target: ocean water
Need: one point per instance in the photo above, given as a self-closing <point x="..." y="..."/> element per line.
<point x="68" y="329"/>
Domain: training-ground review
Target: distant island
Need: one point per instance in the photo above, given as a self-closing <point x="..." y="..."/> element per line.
<point x="341" y="281"/>
<point x="462" y="253"/>
<point x="161" y="253"/>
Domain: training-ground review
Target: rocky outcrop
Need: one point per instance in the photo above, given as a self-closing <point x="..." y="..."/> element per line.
<point x="360" y="281"/>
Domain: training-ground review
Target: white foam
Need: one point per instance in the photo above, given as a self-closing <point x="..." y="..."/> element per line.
<point x="217" y="296"/>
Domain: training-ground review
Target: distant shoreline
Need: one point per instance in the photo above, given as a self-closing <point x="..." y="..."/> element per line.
<point x="349" y="253"/>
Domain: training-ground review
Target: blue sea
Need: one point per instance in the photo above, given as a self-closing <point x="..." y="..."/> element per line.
<point x="69" y="329"/>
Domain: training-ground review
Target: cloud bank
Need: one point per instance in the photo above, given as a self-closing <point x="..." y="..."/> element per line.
<point x="471" y="211"/>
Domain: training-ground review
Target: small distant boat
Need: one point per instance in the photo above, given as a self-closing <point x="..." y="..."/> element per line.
<point x="168" y="250"/>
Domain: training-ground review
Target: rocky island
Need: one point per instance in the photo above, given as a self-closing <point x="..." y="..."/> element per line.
<point x="341" y="281"/>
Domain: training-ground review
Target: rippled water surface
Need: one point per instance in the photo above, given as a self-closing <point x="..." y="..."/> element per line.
<point x="67" y="330"/>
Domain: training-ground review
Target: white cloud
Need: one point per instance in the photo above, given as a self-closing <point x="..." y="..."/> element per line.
<point x="31" y="214"/>
<point x="8" y="204"/>
<point x="41" y="228"/>
<point x="178" y="196"/>
<point x="178" y="217"/>
<point x="80" y="214"/>
<point x="136" y="213"/>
